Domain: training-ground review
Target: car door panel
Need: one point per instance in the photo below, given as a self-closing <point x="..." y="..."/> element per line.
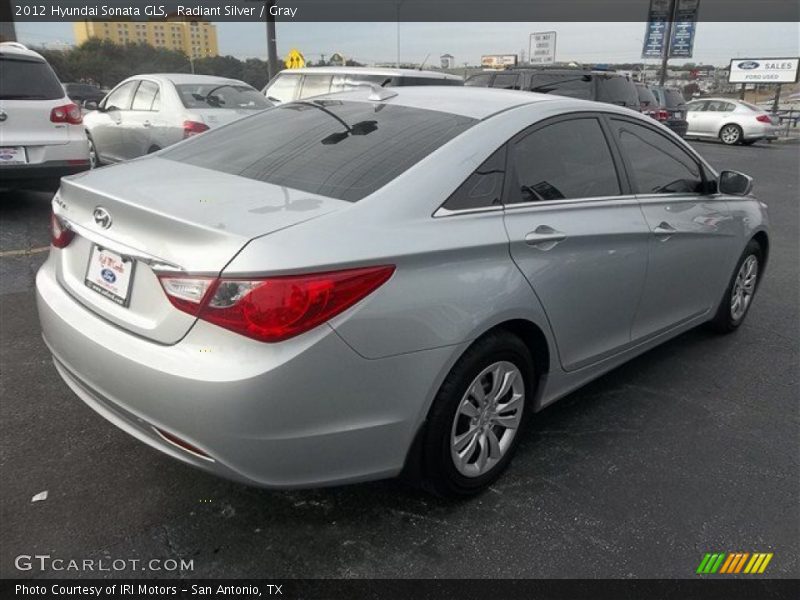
<point x="106" y="131"/>
<point x="138" y="122"/>
<point x="578" y="240"/>
<point x="691" y="232"/>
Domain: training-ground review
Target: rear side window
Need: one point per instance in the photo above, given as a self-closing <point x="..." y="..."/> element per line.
<point x="617" y="90"/>
<point x="335" y="148"/>
<point x="426" y="81"/>
<point x="659" y="166"/>
<point x="568" y="159"/>
<point x="484" y="187"/>
<point x="284" y="88"/>
<point x="145" y="94"/>
<point x="571" y="85"/>
<point x="28" y="80"/>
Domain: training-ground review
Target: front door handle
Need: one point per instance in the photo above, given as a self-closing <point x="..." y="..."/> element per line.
<point x="664" y="231"/>
<point x="146" y="124"/>
<point x="544" y="237"/>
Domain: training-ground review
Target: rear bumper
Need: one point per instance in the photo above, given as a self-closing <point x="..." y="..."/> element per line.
<point x="306" y="412"/>
<point x="35" y="175"/>
<point x="678" y="126"/>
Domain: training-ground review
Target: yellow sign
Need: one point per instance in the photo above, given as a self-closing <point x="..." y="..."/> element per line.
<point x="294" y="60"/>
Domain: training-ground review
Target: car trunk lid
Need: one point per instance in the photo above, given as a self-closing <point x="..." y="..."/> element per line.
<point x="166" y="216"/>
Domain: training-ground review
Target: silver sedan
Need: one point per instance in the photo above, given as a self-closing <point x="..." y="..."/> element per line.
<point x="386" y="282"/>
<point x="146" y="113"/>
<point x="730" y="121"/>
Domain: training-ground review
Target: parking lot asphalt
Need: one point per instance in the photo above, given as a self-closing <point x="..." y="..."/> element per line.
<point x="690" y="448"/>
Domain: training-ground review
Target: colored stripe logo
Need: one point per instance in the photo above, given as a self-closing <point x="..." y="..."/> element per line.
<point x="731" y="563"/>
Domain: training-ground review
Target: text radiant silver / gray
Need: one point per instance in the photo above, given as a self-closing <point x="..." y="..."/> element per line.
<point x="347" y="289"/>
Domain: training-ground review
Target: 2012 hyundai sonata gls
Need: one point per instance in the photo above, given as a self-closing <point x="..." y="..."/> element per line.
<point x="340" y="289"/>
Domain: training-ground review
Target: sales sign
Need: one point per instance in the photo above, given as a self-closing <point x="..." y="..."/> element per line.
<point x="763" y="70"/>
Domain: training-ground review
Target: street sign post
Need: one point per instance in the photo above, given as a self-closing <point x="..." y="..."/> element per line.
<point x="294" y="60"/>
<point x="542" y="48"/>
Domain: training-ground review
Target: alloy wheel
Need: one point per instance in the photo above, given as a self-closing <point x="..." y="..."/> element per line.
<point x="744" y="287"/>
<point x="487" y="419"/>
<point x="730" y="134"/>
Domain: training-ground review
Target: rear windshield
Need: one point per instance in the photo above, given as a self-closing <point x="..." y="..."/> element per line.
<point x="216" y="95"/>
<point x="28" y="80"/>
<point x="674" y="99"/>
<point x="646" y="97"/>
<point x="344" y="150"/>
<point x="751" y="106"/>
<point x="617" y="90"/>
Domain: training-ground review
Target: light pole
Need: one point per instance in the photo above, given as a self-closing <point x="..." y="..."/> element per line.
<point x="272" y="48"/>
<point x="397" y="61"/>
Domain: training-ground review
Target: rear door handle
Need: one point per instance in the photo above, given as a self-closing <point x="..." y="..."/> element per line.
<point x="544" y="237"/>
<point x="664" y="231"/>
<point x="146" y="124"/>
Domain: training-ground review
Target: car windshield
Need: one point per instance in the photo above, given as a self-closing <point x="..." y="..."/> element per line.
<point x="646" y="97"/>
<point x="673" y="98"/>
<point x="221" y="95"/>
<point x="617" y="90"/>
<point x="344" y="150"/>
<point x="26" y="79"/>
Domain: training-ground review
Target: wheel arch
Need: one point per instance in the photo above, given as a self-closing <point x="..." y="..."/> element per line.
<point x="762" y="239"/>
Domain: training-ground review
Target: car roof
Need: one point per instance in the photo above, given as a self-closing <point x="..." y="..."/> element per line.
<point x="473" y="102"/>
<point x="19" y="50"/>
<point x="186" y="78"/>
<point x="387" y="72"/>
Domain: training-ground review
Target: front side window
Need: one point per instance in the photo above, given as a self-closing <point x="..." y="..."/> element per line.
<point x="697" y="106"/>
<point x="284" y="88"/>
<point x="120" y="98"/>
<point x="568" y="159"/>
<point x="334" y="148"/>
<point x="482" y="189"/>
<point x="658" y="165"/>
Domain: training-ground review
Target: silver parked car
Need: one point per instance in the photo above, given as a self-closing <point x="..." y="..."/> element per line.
<point x="386" y="281"/>
<point x="146" y="113"/>
<point x="731" y="121"/>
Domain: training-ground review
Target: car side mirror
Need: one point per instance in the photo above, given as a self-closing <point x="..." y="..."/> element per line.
<point x="734" y="183"/>
<point x="90" y="105"/>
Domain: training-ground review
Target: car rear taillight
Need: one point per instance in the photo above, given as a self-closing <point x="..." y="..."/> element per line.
<point x="68" y="113"/>
<point x="273" y="309"/>
<point x="60" y="234"/>
<point x="662" y="115"/>
<point x="191" y="128"/>
<point x="764" y="119"/>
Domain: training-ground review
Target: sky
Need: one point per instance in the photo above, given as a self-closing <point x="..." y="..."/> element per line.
<point x="715" y="43"/>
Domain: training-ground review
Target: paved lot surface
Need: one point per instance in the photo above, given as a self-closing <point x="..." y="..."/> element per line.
<point x="690" y="448"/>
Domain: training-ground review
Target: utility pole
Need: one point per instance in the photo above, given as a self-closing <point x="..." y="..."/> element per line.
<point x="7" y="31"/>
<point x="667" y="41"/>
<point x="397" y="60"/>
<point x="272" y="48"/>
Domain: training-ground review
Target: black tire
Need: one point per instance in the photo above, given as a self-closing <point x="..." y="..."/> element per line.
<point x="439" y="472"/>
<point x="724" y="320"/>
<point x="730" y="134"/>
<point x="93" y="163"/>
<point x="748" y="142"/>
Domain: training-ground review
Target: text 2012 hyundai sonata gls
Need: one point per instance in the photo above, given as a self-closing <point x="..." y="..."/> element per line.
<point x="378" y="282"/>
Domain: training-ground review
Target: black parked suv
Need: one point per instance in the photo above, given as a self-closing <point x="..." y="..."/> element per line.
<point x="601" y="86"/>
<point x="84" y="92"/>
<point x="671" y="110"/>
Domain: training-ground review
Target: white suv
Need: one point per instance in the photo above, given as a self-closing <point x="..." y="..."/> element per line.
<point x="41" y="131"/>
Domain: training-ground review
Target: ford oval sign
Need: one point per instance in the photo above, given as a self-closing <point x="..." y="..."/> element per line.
<point x="748" y="64"/>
